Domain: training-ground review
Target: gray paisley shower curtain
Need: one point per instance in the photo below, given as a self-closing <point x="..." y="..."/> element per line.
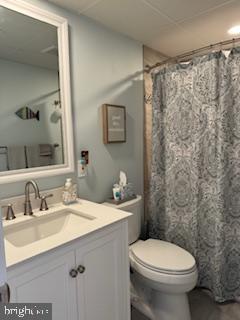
<point x="195" y="179"/>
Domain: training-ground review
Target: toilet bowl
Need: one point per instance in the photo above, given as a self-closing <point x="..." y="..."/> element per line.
<point x="162" y="273"/>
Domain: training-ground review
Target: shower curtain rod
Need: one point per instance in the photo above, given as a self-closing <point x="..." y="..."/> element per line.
<point x="178" y="58"/>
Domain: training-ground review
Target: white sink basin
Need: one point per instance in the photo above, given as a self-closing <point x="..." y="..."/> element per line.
<point x="37" y="228"/>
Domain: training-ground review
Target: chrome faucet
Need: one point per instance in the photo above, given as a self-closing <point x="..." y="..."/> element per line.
<point x="27" y="203"/>
<point x="10" y="213"/>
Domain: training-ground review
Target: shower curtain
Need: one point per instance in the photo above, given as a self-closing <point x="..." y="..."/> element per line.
<point x="195" y="176"/>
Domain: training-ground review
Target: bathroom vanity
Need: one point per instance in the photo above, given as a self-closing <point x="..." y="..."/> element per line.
<point x="75" y="257"/>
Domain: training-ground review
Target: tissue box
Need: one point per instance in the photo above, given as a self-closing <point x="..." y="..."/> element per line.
<point x="127" y="193"/>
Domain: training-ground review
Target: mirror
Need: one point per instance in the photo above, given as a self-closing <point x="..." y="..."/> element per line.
<point x="35" y="110"/>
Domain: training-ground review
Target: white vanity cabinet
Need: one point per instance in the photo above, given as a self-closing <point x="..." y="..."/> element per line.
<point x="100" y="290"/>
<point x="49" y="281"/>
<point x="101" y="287"/>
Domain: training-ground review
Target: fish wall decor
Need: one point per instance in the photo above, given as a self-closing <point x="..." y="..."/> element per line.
<point x="26" y="113"/>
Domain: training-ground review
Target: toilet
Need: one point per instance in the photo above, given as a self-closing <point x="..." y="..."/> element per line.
<point x="162" y="273"/>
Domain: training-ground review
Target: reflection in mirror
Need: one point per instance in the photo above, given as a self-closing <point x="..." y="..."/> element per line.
<point x="30" y="106"/>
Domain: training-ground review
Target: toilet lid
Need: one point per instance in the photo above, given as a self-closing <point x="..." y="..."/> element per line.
<point x="163" y="256"/>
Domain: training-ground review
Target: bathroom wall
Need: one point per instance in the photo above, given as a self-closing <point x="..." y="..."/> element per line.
<point x="105" y="68"/>
<point x="26" y="85"/>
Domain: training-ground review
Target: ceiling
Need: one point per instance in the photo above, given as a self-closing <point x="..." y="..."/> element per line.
<point x="169" y="26"/>
<point x="23" y="40"/>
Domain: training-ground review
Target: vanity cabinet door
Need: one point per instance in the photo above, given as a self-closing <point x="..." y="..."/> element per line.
<point x="103" y="287"/>
<point x="48" y="282"/>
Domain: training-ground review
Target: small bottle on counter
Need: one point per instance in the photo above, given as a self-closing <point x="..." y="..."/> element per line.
<point x="116" y="192"/>
<point x="69" y="194"/>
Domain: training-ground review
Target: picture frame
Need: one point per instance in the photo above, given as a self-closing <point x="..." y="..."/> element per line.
<point x="114" y="123"/>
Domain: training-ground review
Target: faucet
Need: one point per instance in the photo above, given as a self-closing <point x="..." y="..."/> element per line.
<point x="10" y="213"/>
<point x="27" y="203"/>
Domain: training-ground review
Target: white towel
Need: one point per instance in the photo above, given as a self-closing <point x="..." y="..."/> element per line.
<point x="3" y="161"/>
<point x="16" y="157"/>
<point x="46" y="150"/>
<point x="33" y="156"/>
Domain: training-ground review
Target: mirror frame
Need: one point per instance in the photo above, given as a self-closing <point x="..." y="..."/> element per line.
<point x="65" y="96"/>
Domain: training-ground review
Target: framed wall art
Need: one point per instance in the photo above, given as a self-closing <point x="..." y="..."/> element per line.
<point x="114" y="123"/>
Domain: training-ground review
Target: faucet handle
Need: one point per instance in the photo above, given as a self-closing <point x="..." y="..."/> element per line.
<point x="43" y="204"/>
<point x="10" y="213"/>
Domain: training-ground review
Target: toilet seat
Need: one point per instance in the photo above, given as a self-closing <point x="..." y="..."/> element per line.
<point x="164" y="257"/>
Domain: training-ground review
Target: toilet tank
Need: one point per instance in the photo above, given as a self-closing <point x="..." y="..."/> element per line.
<point x="134" y="222"/>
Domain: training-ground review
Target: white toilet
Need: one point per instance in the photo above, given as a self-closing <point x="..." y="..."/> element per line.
<point x="161" y="272"/>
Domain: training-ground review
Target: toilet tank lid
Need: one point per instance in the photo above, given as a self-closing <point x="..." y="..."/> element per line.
<point x="124" y="204"/>
<point x="163" y="256"/>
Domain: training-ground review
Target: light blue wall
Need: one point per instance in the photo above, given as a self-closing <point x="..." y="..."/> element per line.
<point x="35" y="87"/>
<point x="105" y="68"/>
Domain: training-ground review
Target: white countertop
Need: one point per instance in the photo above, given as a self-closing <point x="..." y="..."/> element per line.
<point x="104" y="216"/>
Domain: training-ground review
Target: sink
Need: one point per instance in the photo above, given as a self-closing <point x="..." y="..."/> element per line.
<point x="38" y="228"/>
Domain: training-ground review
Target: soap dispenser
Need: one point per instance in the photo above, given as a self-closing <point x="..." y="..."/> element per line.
<point x="69" y="192"/>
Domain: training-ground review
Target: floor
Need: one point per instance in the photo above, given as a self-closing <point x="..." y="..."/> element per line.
<point x="204" y="308"/>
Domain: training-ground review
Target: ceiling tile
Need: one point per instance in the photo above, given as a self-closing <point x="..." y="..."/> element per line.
<point x="77" y="5"/>
<point x="172" y="27"/>
<point x="133" y="18"/>
<point x="184" y="9"/>
<point x="174" y="41"/>
<point x="212" y="27"/>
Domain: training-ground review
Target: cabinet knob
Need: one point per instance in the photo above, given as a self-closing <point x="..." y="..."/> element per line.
<point x="73" y="273"/>
<point x="81" y="269"/>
